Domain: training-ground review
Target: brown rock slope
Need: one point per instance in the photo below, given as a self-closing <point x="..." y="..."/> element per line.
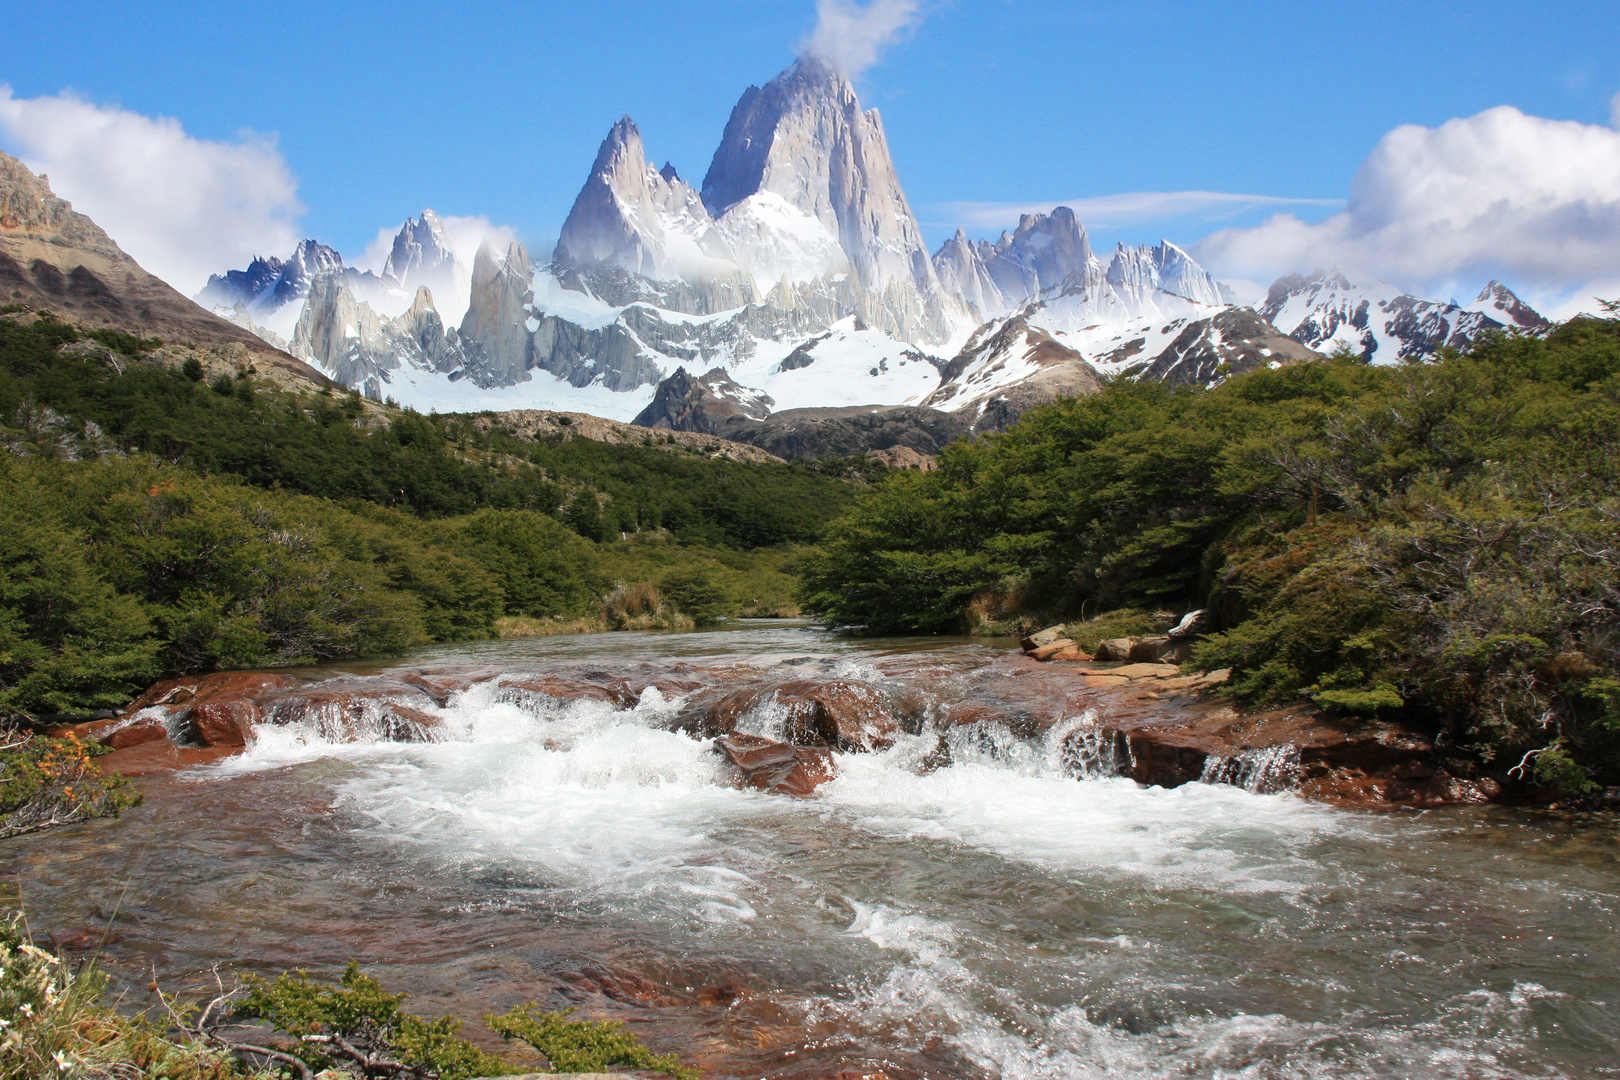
<point x="54" y="258"/>
<point x="544" y="424"/>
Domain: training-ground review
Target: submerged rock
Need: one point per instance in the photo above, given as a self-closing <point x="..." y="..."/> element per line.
<point x="777" y="766"/>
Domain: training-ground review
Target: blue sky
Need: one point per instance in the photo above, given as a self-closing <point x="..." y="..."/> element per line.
<point x="496" y="109"/>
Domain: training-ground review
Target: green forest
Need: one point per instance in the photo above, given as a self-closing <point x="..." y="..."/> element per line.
<point x="156" y="521"/>
<point x="1438" y="541"/>
<point x="1432" y="541"/>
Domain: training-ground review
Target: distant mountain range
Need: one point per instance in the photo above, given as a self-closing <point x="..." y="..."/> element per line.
<point x="794" y="277"/>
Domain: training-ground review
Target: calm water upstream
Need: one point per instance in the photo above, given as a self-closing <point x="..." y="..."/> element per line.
<point x="998" y="917"/>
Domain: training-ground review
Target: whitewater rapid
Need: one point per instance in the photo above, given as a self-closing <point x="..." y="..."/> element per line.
<point x="1017" y="913"/>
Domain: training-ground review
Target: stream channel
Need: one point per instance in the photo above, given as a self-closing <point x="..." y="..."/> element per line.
<point x="1001" y="916"/>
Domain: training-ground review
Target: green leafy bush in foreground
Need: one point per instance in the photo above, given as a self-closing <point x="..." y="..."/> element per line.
<point x="1438" y="541"/>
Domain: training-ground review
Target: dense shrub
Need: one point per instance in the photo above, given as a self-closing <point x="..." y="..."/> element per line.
<point x="1439" y="541"/>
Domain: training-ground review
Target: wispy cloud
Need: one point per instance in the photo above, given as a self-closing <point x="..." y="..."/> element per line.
<point x="1128" y="208"/>
<point x="851" y="36"/>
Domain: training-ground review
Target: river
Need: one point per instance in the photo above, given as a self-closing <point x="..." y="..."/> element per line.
<point x="1000" y="917"/>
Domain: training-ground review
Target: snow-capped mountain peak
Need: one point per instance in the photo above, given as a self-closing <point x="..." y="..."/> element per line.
<point x="1496" y="301"/>
<point x="1164" y="266"/>
<point x="804" y="138"/>
<point x="1333" y="309"/>
<point x="633" y="217"/>
<point x="421" y="251"/>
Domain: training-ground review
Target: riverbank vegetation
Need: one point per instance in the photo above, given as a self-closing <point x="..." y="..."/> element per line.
<point x="156" y="521"/>
<point x="61" y="1021"/>
<point x="1436" y="541"/>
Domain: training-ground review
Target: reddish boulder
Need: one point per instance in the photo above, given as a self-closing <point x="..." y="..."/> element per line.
<point x="224" y="721"/>
<point x="1051" y="649"/>
<point x="617" y="693"/>
<point x="142" y="731"/>
<point x="188" y="689"/>
<point x="441" y="683"/>
<point x="777" y="766"/>
<point x="139" y="760"/>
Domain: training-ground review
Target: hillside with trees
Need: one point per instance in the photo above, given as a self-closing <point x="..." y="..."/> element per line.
<point x="165" y="518"/>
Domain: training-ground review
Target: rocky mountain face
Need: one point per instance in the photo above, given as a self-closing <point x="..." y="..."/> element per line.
<point x="360" y="348"/>
<point x="801" y="147"/>
<point x="632" y="217"/>
<point x="269" y="297"/>
<point x="1046" y="254"/>
<point x="1007" y="368"/>
<point x="421" y="254"/>
<point x="1497" y="303"/>
<point x="54" y="258"/>
<point x="269" y="283"/>
<point x="800" y="211"/>
<point x="1230" y="342"/>
<point x="1379" y="322"/>
<point x="1167" y="268"/>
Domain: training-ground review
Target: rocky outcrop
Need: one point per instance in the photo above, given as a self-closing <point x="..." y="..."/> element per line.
<point x="1008" y="368"/>
<point x="546" y="424"/>
<point x="54" y="258"/>
<point x="836" y="713"/>
<point x="777" y="767"/>
<point x="782" y="728"/>
<point x="495" y="328"/>
<point x="705" y="404"/>
<point x="1232" y="342"/>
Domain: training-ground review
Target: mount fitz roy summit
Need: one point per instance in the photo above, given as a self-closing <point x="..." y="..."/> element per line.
<point x="796" y="277"/>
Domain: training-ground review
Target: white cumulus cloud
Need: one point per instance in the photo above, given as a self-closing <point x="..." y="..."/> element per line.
<point x="1532" y="201"/>
<point x="183" y="207"/>
<point x="851" y="36"/>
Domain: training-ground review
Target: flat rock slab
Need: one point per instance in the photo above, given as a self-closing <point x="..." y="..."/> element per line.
<point x="1145" y="671"/>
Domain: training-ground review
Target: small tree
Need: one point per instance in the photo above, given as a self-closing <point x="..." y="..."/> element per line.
<point x="696" y="594"/>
